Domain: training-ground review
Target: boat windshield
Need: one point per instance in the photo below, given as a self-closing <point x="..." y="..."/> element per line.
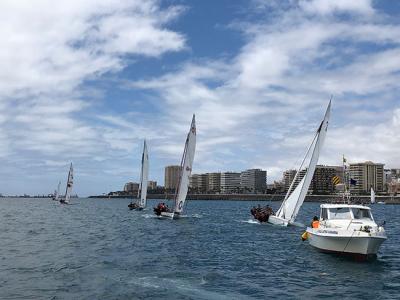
<point x="360" y="213"/>
<point x="339" y="213"/>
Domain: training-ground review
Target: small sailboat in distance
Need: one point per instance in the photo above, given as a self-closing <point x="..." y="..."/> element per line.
<point x="144" y="177"/>
<point x="57" y="192"/>
<point x="183" y="183"/>
<point x="290" y="207"/>
<point x="372" y="195"/>
<point x="68" y="190"/>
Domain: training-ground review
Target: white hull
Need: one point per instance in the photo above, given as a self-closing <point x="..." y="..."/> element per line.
<point x="278" y="221"/>
<point x="170" y="215"/>
<point x="331" y="240"/>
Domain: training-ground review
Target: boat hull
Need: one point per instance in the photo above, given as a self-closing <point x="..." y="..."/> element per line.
<point x="362" y="245"/>
<point x="278" y="221"/>
<point x="169" y="215"/>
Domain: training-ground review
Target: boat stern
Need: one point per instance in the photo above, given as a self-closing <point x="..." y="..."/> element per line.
<point x="168" y="215"/>
<point x="274" y="220"/>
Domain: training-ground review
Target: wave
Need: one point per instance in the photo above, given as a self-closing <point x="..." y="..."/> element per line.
<point x="250" y="221"/>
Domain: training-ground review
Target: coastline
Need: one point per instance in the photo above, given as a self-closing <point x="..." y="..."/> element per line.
<point x="260" y="197"/>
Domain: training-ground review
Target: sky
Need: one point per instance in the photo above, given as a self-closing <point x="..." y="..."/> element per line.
<point x="87" y="81"/>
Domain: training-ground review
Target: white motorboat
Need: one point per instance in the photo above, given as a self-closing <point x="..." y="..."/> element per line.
<point x="347" y="229"/>
<point x="290" y="207"/>
<point x="185" y="171"/>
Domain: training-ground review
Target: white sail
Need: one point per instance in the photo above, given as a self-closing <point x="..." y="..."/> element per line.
<point x="70" y="183"/>
<point x="186" y="168"/>
<point x="57" y="192"/>
<point x="293" y="201"/>
<point x="144" y="177"/>
<point x="372" y="196"/>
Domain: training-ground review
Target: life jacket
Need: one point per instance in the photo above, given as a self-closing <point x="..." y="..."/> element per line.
<point x="315" y="224"/>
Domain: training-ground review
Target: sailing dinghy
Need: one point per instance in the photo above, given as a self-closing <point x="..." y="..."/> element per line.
<point x="57" y="192"/>
<point x="68" y="190"/>
<point x="185" y="172"/>
<point x="290" y="207"/>
<point x="372" y="195"/>
<point x="144" y="174"/>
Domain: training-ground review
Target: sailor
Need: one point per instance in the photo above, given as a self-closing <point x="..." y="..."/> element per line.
<point x="254" y="212"/>
<point x="315" y="222"/>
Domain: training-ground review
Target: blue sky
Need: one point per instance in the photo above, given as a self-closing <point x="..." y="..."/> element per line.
<point x="87" y="81"/>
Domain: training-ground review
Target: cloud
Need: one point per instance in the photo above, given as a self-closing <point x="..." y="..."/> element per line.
<point x="265" y="103"/>
<point x="66" y="91"/>
<point x="49" y="53"/>
<point x="325" y="7"/>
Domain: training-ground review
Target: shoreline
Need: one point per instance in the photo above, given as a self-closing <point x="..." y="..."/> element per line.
<point x="258" y="197"/>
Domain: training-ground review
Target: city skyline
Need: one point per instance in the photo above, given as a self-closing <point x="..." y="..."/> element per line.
<point x="86" y="83"/>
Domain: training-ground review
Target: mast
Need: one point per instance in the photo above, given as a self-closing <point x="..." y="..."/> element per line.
<point x="186" y="168"/>
<point x="58" y="191"/>
<point x="292" y="203"/>
<point x="142" y="192"/>
<point x="70" y="181"/>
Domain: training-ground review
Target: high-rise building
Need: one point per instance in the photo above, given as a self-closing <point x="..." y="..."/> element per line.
<point x="395" y="173"/>
<point x="230" y="182"/>
<point x="322" y="180"/>
<point x="171" y="177"/>
<point x="214" y="182"/>
<point x="288" y="177"/>
<point x="366" y="175"/>
<point x="199" y="183"/>
<point x="131" y="187"/>
<point x="253" y="181"/>
<point x="152" y="185"/>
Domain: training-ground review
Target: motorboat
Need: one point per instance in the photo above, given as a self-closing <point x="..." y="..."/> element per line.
<point x="347" y="229"/>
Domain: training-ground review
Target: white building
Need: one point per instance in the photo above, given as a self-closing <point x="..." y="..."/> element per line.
<point x="253" y="181"/>
<point x="230" y="182"/>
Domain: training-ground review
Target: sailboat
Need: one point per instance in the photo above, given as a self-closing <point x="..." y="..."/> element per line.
<point x="68" y="190"/>
<point x="290" y="207"/>
<point x="372" y="195"/>
<point x="57" y="192"/>
<point x="185" y="171"/>
<point x="144" y="174"/>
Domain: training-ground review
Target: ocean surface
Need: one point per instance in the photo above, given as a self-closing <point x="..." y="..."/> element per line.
<point x="98" y="249"/>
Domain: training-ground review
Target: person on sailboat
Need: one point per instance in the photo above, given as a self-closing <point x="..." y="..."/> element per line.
<point x="161" y="207"/>
<point x="262" y="213"/>
<point x="133" y="205"/>
<point x="315" y="222"/>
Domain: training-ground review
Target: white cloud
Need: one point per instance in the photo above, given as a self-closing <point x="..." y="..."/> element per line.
<point x="47" y="52"/>
<point x="265" y="103"/>
<point x="259" y="108"/>
<point x="325" y="7"/>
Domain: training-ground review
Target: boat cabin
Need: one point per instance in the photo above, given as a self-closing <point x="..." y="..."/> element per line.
<point x="345" y="212"/>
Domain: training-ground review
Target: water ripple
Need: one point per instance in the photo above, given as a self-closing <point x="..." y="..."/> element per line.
<point x="98" y="249"/>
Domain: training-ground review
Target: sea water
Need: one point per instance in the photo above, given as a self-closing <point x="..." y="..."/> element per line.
<point x="99" y="249"/>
